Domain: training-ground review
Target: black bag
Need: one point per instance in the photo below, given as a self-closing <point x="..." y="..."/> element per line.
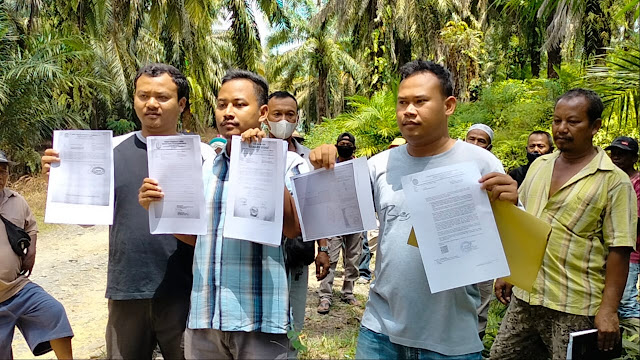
<point x="18" y="238"/>
<point x="299" y="253"/>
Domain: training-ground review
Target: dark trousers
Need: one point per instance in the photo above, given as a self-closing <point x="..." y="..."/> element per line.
<point x="135" y="327"/>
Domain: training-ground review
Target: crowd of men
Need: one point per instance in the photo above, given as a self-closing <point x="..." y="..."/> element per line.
<point x="213" y="297"/>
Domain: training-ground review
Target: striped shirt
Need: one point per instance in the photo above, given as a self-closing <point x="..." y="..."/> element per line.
<point x="237" y="285"/>
<point x="592" y="212"/>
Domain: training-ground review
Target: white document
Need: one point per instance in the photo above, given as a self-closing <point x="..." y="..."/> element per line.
<point x="81" y="184"/>
<point x="335" y="202"/>
<point x="176" y="163"/>
<point x="256" y="191"/>
<point x="454" y="226"/>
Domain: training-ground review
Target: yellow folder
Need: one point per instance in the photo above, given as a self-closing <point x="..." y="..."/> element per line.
<point x="524" y="239"/>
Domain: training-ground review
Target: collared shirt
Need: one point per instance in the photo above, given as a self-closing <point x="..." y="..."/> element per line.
<point x="592" y="212"/>
<point x="635" y="180"/>
<point x="237" y="285"/>
<point x="14" y="208"/>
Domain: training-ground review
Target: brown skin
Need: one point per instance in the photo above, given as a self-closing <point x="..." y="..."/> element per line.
<point x="479" y="138"/>
<point x="283" y="109"/>
<point x="237" y="113"/>
<point x="538" y="144"/>
<point x="29" y="260"/>
<point x="573" y="135"/>
<point x="422" y="113"/>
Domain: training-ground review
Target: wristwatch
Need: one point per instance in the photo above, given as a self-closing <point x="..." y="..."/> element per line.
<point x="323" y="249"/>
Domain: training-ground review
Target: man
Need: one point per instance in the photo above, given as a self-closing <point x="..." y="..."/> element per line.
<point x="538" y="144"/>
<point x="41" y="318"/>
<point x="403" y="318"/>
<point x="351" y="246"/>
<point x="591" y="207"/>
<point x="149" y="276"/>
<point x="239" y="299"/>
<point x="282" y="120"/>
<point x="480" y="135"/>
<point x="624" y="154"/>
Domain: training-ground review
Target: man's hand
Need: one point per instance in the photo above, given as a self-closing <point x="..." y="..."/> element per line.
<point x="50" y="156"/>
<point x="253" y="135"/>
<point x="322" y="265"/>
<point x="501" y="187"/>
<point x="503" y="291"/>
<point x="608" y="327"/>
<point x="324" y="156"/>
<point x="149" y="192"/>
<point x="30" y="259"/>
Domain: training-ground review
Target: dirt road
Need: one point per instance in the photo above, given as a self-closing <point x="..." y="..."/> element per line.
<point x="71" y="264"/>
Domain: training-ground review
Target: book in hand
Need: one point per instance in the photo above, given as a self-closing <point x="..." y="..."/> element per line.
<point x="583" y="345"/>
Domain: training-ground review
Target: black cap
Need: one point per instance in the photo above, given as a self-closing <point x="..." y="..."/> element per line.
<point x="624" y="143"/>
<point x="346" y="136"/>
<point x="4" y="159"/>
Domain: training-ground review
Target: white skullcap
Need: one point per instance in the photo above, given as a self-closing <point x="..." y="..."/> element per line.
<point x="484" y="128"/>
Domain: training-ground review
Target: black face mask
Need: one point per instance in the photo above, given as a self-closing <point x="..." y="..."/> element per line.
<point x="345" y="151"/>
<point x="532" y="156"/>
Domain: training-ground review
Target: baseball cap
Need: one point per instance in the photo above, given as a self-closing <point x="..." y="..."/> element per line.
<point x="347" y="136"/>
<point x="624" y="143"/>
<point x="5" y="159"/>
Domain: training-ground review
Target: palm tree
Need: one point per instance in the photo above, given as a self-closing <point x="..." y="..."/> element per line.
<point x="317" y="63"/>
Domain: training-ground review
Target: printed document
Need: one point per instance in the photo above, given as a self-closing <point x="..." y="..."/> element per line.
<point x="254" y="208"/>
<point x="454" y="226"/>
<point x="81" y="184"/>
<point x="176" y="163"/>
<point x="335" y="202"/>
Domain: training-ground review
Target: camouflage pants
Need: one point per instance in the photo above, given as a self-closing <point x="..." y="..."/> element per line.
<point x="536" y="332"/>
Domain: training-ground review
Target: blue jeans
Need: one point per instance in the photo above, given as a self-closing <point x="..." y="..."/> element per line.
<point x="629" y="305"/>
<point x="365" y="259"/>
<point x="372" y="345"/>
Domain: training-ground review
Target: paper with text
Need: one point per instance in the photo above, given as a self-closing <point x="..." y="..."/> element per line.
<point x="335" y="202"/>
<point x="454" y="226"/>
<point x="254" y="209"/>
<point x="81" y="185"/>
<point x="176" y="163"/>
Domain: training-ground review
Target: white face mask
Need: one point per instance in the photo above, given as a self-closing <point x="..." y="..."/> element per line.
<point x="282" y="129"/>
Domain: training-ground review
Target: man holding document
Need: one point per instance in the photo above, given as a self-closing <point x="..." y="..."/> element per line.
<point x="403" y="316"/>
<point x="591" y="207"/>
<point x="239" y="299"/>
<point x="149" y="276"/>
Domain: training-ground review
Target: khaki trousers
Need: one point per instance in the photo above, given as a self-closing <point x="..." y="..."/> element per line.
<point x="351" y="246"/>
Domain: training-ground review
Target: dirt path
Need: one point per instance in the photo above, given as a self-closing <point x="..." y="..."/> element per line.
<point x="71" y="264"/>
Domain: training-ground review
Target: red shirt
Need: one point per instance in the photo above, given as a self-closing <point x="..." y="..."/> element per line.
<point x="635" y="180"/>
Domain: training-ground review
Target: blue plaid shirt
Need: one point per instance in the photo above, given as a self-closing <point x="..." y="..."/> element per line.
<point x="237" y="285"/>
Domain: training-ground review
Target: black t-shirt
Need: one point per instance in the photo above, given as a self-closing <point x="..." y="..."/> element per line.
<point x="141" y="265"/>
<point x="518" y="174"/>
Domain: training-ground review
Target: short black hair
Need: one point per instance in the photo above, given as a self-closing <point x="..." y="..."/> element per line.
<point x="596" y="107"/>
<point x="282" y="95"/>
<point x="157" y="69"/>
<point x="260" y="85"/>
<point x="422" y="66"/>
<point x="541" y="132"/>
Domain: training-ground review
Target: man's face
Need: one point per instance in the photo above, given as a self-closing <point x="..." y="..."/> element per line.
<point x="237" y="108"/>
<point x="157" y="105"/>
<point x="4" y="175"/>
<point x="623" y="159"/>
<point x="571" y="129"/>
<point x="479" y="138"/>
<point x="422" y="110"/>
<point x="538" y="144"/>
<point x="283" y="109"/>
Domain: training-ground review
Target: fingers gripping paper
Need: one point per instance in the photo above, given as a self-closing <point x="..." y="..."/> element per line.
<point x="524" y="239"/>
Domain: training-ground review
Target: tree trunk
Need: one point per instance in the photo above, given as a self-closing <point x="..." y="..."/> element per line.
<point x="596" y="29"/>
<point x="534" y="51"/>
<point x="554" y="59"/>
<point x="403" y="51"/>
<point x="322" y="101"/>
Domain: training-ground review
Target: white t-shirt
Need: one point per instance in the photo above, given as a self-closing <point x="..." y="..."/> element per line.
<point x="400" y="304"/>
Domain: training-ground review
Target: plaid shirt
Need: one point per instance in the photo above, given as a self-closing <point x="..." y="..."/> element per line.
<point x="237" y="285"/>
<point x="594" y="211"/>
